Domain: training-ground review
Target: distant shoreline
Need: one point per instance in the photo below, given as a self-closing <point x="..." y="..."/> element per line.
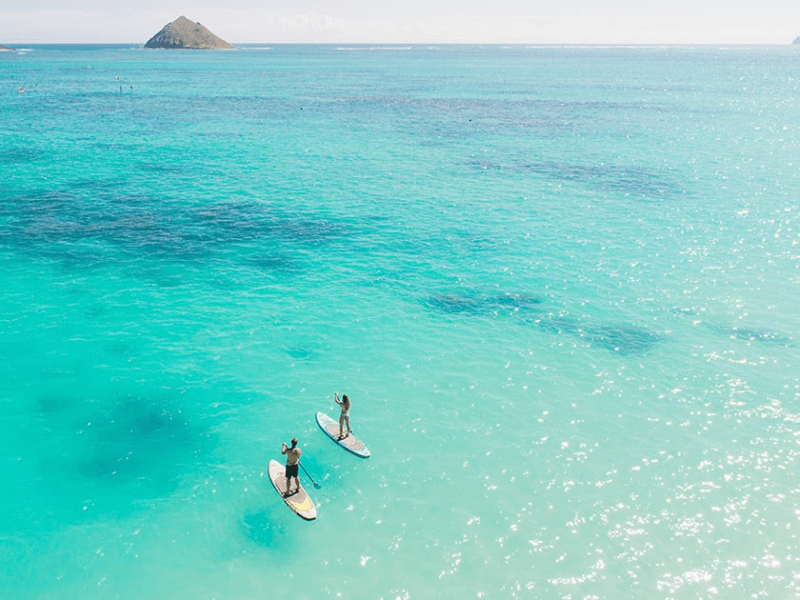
<point x="366" y="45"/>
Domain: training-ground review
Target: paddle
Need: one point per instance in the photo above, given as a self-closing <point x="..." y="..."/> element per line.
<point x="316" y="485"/>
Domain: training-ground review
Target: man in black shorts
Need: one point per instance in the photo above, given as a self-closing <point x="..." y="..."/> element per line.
<point x="292" y="464"/>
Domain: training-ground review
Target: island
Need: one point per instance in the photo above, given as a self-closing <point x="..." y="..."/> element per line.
<point x="5" y="49"/>
<point x="185" y="34"/>
<point x="796" y="40"/>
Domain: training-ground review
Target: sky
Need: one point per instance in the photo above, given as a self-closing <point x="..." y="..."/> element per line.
<point x="409" y="21"/>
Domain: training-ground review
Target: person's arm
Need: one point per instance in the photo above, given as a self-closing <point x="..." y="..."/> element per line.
<point x="336" y="398"/>
<point x="283" y="448"/>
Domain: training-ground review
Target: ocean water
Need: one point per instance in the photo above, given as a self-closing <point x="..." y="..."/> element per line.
<point x="560" y="286"/>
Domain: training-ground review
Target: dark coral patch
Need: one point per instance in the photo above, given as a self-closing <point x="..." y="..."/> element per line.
<point x="55" y="403"/>
<point x="142" y="442"/>
<point x="763" y="336"/>
<point x="516" y="301"/>
<point x="625" y="340"/>
<point x="263" y="529"/>
<point x="453" y="304"/>
<point x="81" y="225"/>
<point x="629" y="181"/>
<point x="299" y="353"/>
<point x="477" y="304"/>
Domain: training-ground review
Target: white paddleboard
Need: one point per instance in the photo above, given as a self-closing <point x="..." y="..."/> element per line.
<point x="298" y="501"/>
<point x="351" y="443"/>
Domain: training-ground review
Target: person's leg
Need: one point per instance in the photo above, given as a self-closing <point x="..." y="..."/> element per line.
<point x="290" y="472"/>
<point x="341" y="422"/>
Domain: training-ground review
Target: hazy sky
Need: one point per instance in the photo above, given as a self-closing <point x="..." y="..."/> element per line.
<point x="412" y="21"/>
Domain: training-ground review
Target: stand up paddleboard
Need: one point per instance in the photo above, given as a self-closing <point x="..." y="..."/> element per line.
<point x="299" y="501"/>
<point x="351" y="443"/>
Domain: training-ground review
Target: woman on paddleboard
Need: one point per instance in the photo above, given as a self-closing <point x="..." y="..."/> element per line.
<point x="345" y="416"/>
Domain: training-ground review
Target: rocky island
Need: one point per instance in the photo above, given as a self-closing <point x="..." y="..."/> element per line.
<point x="5" y="49"/>
<point x="185" y="34"/>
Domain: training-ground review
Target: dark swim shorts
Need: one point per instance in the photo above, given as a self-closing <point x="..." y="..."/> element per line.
<point x="291" y="471"/>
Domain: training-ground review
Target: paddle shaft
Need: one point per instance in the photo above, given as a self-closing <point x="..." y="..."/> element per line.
<point x="316" y="485"/>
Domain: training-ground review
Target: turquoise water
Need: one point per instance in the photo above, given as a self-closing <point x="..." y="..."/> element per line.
<point x="559" y="284"/>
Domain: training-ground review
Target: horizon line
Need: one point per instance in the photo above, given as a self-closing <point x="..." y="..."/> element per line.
<point x="11" y="45"/>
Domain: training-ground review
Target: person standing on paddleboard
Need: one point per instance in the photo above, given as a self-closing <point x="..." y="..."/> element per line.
<point x="345" y="416"/>
<point x="292" y="464"/>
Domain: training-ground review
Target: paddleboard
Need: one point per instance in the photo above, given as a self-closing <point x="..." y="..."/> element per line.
<point x="351" y="443"/>
<point x="299" y="501"/>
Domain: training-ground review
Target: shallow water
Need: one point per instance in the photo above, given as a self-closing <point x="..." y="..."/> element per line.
<point x="559" y="284"/>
